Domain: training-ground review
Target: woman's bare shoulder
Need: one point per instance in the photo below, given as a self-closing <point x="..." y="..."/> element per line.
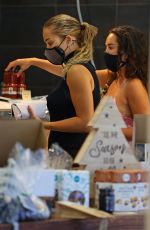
<point x="78" y="73"/>
<point x="135" y="88"/>
<point x="134" y="83"/>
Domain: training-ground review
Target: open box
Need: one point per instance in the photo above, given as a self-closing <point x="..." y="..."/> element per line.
<point x="30" y="133"/>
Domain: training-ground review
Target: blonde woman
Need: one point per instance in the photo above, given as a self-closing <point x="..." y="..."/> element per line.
<point x="69" y="50"/>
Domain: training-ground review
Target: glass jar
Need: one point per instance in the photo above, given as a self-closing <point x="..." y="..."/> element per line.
<point x="106" y="200"/>
<point x="13" y="85"/>
<point x="9" y="88"/>
<point x="21" y="84"/>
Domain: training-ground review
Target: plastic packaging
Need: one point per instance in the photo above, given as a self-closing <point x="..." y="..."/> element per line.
<point x="16" y="201"/>
<point x="59" y="158"/>
<point x="27" y="160"/>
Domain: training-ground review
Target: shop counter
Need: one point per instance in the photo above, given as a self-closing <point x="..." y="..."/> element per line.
<point x="118" y="222"/>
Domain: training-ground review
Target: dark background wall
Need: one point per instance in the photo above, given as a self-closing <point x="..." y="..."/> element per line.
<point x="21" y="30"/>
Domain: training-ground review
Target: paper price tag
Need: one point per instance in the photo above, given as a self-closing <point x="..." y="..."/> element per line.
<point x="26" y="95"/>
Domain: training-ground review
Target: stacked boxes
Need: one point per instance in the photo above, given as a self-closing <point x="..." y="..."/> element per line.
<point x="130" y="188"/>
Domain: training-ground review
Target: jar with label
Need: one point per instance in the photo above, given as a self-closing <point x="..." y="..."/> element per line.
<point x="106" y="200"/>
<point x="9" y="85"/>
<point x="13" y="85"/>
<point x="21" y="84"/>
<point x="5" y="84"/>
<point x="12" y="90"/>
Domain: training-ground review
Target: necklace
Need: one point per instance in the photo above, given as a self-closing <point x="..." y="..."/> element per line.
<point x="106" y="87"/>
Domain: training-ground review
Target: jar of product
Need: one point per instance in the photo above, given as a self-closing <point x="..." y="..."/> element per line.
<point x="102" y="199"/>
<point x="5" y="84"/>
<point x="4" y="90"/>
<point x="106" y="200"/>
<point x="13" y="85"/>
<point x="21" y="84"/>
<point x="9" y="88"/>
<point x="12" y="90"/>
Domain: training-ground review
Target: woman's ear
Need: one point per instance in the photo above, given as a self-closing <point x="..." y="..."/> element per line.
<point x="124" y="57"/>
<point x="68" y="39"/>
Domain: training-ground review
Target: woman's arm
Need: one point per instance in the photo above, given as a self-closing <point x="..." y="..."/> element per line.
<point x="103" y="76"/>
<point x="25" y="63"/>
<point x="80" y="83"/>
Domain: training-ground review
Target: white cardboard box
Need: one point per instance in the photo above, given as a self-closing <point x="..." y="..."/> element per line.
<point x="129" y="197"/>
<point x="45" y="183"/>
<point x="74" y="186"/>
<point x="31" y="134"/>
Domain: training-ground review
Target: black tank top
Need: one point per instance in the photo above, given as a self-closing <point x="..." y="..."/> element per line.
<point x="60" y="107"/>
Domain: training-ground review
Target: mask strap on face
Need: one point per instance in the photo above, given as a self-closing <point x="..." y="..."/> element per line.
<point x="122" y="63"/>
<point x="61" y="42"/>
<point x="66" y="48"/>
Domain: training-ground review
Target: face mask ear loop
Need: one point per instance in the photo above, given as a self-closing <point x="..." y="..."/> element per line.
<point x="66" y="48"/>
<point x="122" y="63"/>
<point x="61" y="42"/>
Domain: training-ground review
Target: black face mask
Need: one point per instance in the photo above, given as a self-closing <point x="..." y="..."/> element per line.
<point x="112" y="62"/>
<point x="55" y="55"/>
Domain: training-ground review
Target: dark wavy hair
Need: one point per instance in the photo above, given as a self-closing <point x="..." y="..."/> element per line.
<point x="133" y="43"/>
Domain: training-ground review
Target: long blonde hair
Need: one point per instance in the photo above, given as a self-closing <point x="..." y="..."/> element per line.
<point x="63" y="25"/>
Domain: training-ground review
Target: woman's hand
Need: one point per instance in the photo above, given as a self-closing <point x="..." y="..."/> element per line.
<point x="32" y="114"/>
<point x="24" y="64"/>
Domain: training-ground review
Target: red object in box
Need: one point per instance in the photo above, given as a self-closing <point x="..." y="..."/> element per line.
<point x="13" y="85"/>
<point x="21" y="85"/>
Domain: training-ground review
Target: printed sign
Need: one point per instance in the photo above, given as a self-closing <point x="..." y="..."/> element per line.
<point x="105" y="149"/>
<point x="106" y="146"/>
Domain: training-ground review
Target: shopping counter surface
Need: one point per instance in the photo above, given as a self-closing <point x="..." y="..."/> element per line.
<point x="117" y="222"/>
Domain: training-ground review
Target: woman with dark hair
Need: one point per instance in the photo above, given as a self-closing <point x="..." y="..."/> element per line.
<point x="125" y="78"/>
